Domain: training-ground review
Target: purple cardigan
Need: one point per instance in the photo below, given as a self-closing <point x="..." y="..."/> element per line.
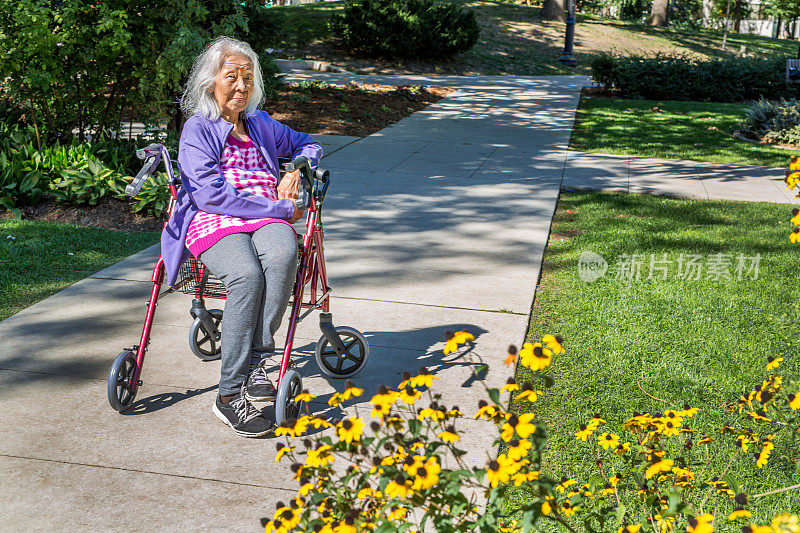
<point x="204" y="187"/>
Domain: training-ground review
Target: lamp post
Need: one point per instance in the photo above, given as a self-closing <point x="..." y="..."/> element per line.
<point x="568" y="58"/>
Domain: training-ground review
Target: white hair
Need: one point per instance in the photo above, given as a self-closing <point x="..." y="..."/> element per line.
<point x="198" y="96"/>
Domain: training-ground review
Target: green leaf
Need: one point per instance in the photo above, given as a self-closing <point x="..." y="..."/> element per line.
<point x="494" y="394"/>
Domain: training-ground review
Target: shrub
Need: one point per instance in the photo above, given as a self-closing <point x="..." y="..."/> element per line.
<point x="664" y="77"/>
<point x="774" y="121"/>
<point x="405" y="28"/>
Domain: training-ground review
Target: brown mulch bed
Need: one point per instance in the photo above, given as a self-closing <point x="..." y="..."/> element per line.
<point x="108" y="214"/>
<point x="352" y="109"/>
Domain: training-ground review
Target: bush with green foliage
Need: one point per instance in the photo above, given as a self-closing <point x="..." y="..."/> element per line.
<point x="81" y="67"/>
<point x="405" y="28"/>
<point x="681" y="77"/>
<point x="775" y="121"/>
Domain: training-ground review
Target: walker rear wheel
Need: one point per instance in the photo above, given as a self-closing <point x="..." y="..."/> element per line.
<point x="206" y="345"/>
<point x="286" y="407"/>
<point x="350" y="362"/>
<point x="121" y="389"/>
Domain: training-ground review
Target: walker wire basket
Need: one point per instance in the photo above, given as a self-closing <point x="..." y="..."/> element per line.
<point x="194" y="278"/>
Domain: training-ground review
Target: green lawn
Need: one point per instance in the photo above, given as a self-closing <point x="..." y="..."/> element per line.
<point x="515" y="41"/>
<point x="38" y="259"/>
<point x="682" y="341"/>
<point x="699" y="131"/>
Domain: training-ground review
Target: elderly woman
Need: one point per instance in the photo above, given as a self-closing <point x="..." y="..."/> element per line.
<point x="234" y="213"/>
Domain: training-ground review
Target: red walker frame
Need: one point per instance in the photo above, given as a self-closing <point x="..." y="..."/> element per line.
<point x="125" y="375"/>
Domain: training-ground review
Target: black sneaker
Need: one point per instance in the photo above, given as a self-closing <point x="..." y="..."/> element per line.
<point x="240" y="415"/>
<point x="258" y="387"/>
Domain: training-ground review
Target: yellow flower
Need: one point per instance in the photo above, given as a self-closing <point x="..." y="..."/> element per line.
<point x="319" y="457"/>
<point x="500" y="470"/>
<point x="487" y="411"/>
<point x="564" y="484"/>
<point x="510" y="386"/>
<point x="433" y="414"/>
<point x="764" y="455"/>
<point x="535" y="357"/>
<point x="665" y="524"/>
<point x="773" y="362"/>
<point x="546" y="508"/>
<point x="739" y="513"/>
<point x="398" y="488"/>
<point x="293" y="428"/>
<point x="409" y="395"/>
<point x="630" y="529"/>
<point x="517" y="449"/>
<point x="350" y="430"/>
<point x="305" y="489"/>
<point x="344" y="527"/>
<point x="615" y="480"/>
<point x="794" y="236"/>
<point x="794" y="163"/>
<point x="383" y="401"/>
<point x="283" y="451"/>
<point x="304" y="396"/>
<point x="786" y="523"/>
<point x="528" y="394"/>
<point x="568" y="509"/>
<point x="701" y="524"/>
<point x="449" y="435"/>
<point x="316" y="422"/>
<point x="519" y="423"/>
<point x="511" y="358"/>
<point x="454" y="339"/>
<point x="664" y="465"/>
<point x="622" y="448"/>
<point x="398" y="514"/>
<point x="285" y="519"/>
<point x="425" y="475"/>
<point x="608" y="440"/>
<point x="759" y="529"/>
<point x="795" y="217"/>
<point x="554" y="343"/>
<point x="794" y="401"/>
<point x="365" y="492"/>
<point x="705" y="440"/>
<point x="791" y="180"/>
<point x="423" y="379"/>
<point x="521" y="477"/>
<point x="584" y="432"/>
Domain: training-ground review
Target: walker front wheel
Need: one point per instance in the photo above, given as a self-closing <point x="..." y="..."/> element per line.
<point x="204" y="344"/>
<point x="286" y="407"/>
<point x="121" y="389"/>
<point x="346" y="364"/>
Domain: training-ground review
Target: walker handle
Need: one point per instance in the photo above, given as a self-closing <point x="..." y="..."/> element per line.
<point x="301" y="163"/>
<point x="151" y="160"/>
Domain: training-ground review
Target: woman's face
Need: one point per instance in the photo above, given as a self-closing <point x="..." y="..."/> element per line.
<point x="233" y="86"/>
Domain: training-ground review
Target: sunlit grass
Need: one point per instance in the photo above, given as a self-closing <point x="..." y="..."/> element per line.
<point x="699" y="131"/>
<point x="647" y="345"/>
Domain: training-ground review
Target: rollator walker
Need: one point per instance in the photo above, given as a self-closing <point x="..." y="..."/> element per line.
<point x="340" y="352"/>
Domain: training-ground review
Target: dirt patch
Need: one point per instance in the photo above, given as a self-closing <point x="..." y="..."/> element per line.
<point x="353" y="109"/>
<point x="108" y="214"/>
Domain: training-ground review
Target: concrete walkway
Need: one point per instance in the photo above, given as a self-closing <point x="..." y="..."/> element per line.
<point x="436" y="223"/>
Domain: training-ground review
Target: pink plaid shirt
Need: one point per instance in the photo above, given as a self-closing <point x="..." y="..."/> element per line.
<point x="244" y="168"/>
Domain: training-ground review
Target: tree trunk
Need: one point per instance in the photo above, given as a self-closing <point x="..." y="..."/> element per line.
<point x="658" y="13"/>
<point x="554" y="10"/>
<point x="737" y="16"/>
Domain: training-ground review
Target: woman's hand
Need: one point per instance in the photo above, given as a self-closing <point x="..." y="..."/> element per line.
<point x="298" y="214"/>
<point x="289" y="186"/>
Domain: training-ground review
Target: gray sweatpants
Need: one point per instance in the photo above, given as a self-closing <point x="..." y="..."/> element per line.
<point x="259" y="271"/>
